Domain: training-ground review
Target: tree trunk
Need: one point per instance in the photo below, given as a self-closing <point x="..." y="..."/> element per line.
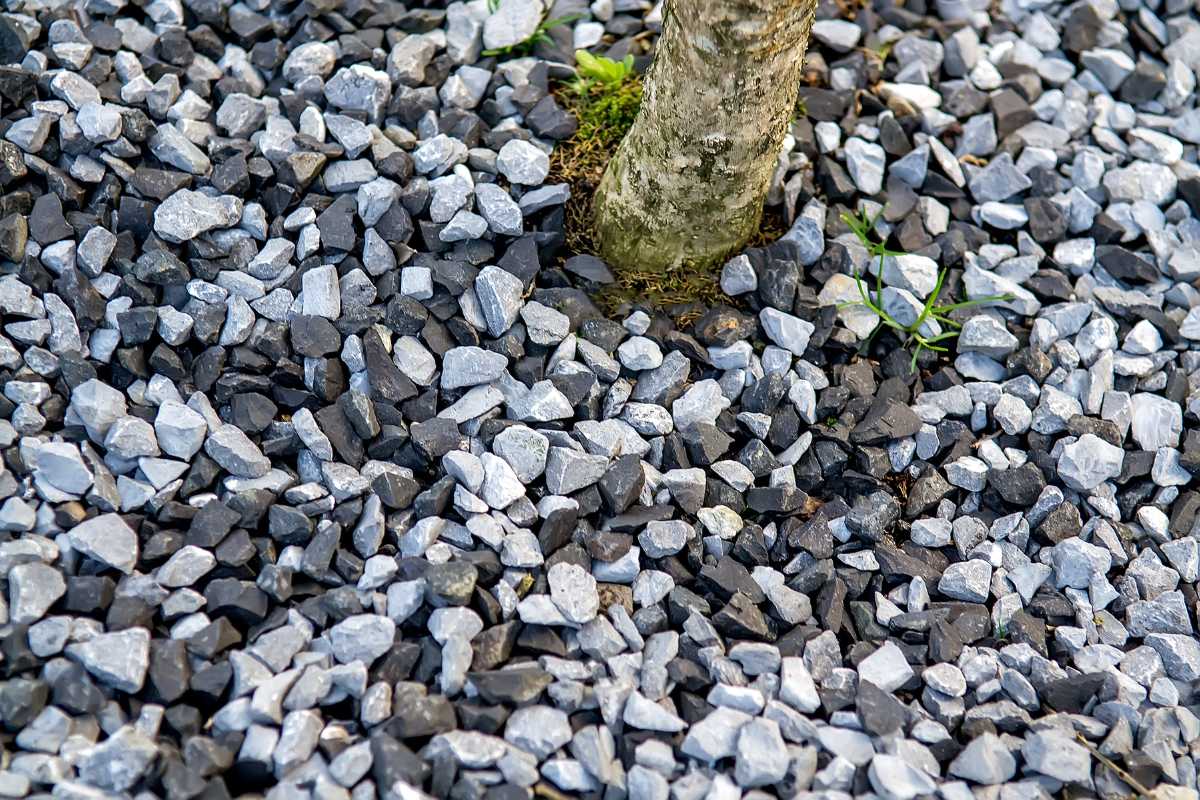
<point x="687" y="183"/>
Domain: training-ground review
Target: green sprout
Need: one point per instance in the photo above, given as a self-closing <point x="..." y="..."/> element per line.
<point x="862" y="225"/>
<point x="604" y="96"/>
<point x="539" y="35"/>
<point x="600" y="71"/>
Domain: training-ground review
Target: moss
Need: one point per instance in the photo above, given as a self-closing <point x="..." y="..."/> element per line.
<point x="771" y="227"/>
<point x="605" y="115"/>
<point x="683" y="292"/>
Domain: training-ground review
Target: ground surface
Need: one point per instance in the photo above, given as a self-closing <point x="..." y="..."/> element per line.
<point x="325" y="477"/>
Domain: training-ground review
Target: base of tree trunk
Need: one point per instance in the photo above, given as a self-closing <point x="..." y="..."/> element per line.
<point x="632" y="234"/>
<point x="686" y="186"/>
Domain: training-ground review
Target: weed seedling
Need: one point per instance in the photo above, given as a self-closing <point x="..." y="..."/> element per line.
<point x="593" y="71"/>
<point x="919" y="334"/>
<point x="604" y="96"/>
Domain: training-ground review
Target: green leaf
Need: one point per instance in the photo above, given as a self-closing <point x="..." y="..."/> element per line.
<point x="603" y="69"/>
<point x="586" y="63"/>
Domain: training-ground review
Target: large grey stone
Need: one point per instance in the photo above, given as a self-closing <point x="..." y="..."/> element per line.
<point x="119" y="660"/>
<point x="106" y="538"/>
<point x="186" y="214"/>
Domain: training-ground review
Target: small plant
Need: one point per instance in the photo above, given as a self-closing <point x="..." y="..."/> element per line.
<point x="600" y="71"/>
<point x="540" y="34"/>
<point x="916" y="334"/>
<point x="604" y="97"/>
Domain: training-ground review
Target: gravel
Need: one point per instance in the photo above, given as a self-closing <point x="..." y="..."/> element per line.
<point x="326" y="473"/>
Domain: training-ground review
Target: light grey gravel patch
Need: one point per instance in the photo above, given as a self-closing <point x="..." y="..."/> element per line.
<point x="840" y="35"/>
<point x="120" y="761"/>
<point x="661" y="539"/>
<point x="538" y="730"/>
<point x="647" y="715"/>
<point x="359" y="88"/>
<point x="61" y="465"/>
<point x="544" y="197"/>
<point x="738" y="276"/>
<point x="98" y="406"/>
<point x="1058" y="756"/>
<point x="525" y="450"/>
<point x="321" y="292"/>
<point x="568" y="470"/>
<point x="865" y="162"/>
<point x="573" y="590"/>
<point x="499" y="293"/>
<point x="32" y="590"/>
<point x="465" y="226"/>
<point x="1180" y="654"/>
<point x="107" y="538"/>
<point x="1157" y="422"/>
<point x="716" y="736"/>
<point x="853" y="746"/>
<point x="511" y="23"/>
<point x="886" y="668"/>
<point x="893" y="776"/>
<point x="544" y="325"/>
<point x="521" y="162"/>
<point x="119" y="660"/>
<point x="236" y="453"/>
<point x="362" y="637"/>
<point x="789" y="332"/>
<point x="969" y="581"/>
<point x="130" y="438"/>
<point x="503" y="215"/>
<point x="998" y="181"/>
<point x="762" y="756"/>
<point x="179" y="429"/>
<point x="985" y="760"/>
<point x="170" y="146"/>
<point x="439" y="155"/>
<point x="986" y="335"/>
<point x="501" y="486"/>
<point x="185" y="567"/>
<point x="1088" y="462"/>
<point x="471" y="366"/>
<point x="186" y="214"/>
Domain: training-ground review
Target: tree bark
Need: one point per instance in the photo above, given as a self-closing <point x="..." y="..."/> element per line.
<point x="687" y="183"/>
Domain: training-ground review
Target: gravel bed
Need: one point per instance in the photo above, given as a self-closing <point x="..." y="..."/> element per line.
<point x="324" y="476"/>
